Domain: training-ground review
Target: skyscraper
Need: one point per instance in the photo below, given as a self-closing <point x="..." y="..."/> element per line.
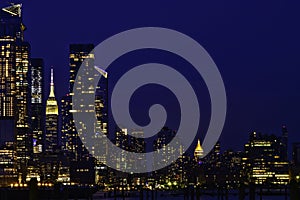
<point x="37" y="99"/>
<point x="79" y="53"/>
<point x="68" y="128"/>
<point x="10" y="34"/>
<point x="82" y="55"/>
<point x="23" y="135"/>
<point x="14" y="83"/>
<point x="263" y="162"/>
<point x="51" y="132"/>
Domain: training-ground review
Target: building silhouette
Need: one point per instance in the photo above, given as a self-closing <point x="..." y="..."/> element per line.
<point x="284" y="143"/>
<point x="296" y="153"/>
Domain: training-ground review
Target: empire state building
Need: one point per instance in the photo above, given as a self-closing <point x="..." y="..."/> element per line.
<point x="198" y="153"/>
<point x="51" y="134"/>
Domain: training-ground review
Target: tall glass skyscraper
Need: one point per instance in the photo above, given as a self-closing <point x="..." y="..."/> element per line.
<point x="79" y="53"/>
<point x="10" y="34"/>
<point x="37" y="107"/>
<point x="15" y="84"/>
<point x="82" y="55"/>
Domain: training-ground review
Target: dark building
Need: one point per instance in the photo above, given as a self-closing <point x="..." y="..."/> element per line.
<point x="37" y="100"/>
<point x="83" y="171"/>
<point x="296" y="154"/>
<point x="295" y="167"/>
<point x="284" y="140"/>
<point x="7" y="130"/>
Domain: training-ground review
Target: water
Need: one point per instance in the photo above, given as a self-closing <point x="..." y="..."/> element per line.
<point x="166" y="196"/>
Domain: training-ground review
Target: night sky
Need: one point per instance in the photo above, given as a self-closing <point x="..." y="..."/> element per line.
<point x="255" y="44"/>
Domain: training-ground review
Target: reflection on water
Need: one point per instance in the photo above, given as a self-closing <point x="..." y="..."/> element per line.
<point x="171" y="196"/>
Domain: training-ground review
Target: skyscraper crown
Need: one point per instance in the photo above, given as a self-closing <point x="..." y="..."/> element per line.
<point x="14" y="10"/>
<point x="198" y="150"/>
<point x="51" y="106"/>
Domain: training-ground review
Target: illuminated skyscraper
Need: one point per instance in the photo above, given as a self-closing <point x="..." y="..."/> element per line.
<point x="51" y="133"/>
<point x="82" y="55"/>
<point x="263" y="161"/>
<point x="71" y="142"/>
<point x="174" y="173"/>
<point x="37" y="99"/>
<point x="68" y="131"/>
<point x="122" y="141"/>
<point x="24" y="136"/>
<point x="14" y="83"/>
<point x="11" y="36"/>
<point x="79" y="53"/>
<point x="8" y="171"/>
<point x="198" y="153"/>
<point x="164" y="137"/>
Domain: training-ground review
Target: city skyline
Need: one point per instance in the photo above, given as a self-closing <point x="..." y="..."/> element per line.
<point x="45" y="145"/>
<point x="64" y="84"/>
<point x="265" y="99"/>
<point x="82" y="50"/>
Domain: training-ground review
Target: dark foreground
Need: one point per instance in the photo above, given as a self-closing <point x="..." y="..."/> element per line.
<point x="75" y="192"/>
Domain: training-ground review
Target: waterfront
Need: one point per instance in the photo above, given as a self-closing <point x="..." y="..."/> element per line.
<point x="83" y="194"/>
<point x="168" y="196"/>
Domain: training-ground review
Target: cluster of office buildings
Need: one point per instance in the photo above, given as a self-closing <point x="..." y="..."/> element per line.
<point x="34" y="146"/>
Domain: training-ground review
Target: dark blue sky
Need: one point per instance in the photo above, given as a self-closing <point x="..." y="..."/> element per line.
<point x="255" y="44"/>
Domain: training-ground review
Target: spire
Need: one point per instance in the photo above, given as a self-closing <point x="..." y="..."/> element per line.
<point x="52" y="85"/>
<point x="51" y="105"/>
<point x="199" y="147"/>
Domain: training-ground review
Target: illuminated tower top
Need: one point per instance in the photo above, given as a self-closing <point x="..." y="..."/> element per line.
<point x="52" y="86"/>
<point x="14" y="9"/>
<point x="198" y="153"/>
<point x="51" y="106"/>
<point x="12" y="27"/>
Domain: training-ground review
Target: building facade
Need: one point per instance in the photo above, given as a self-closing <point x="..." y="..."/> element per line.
<point x="15" y="84"/>
<point x="37" y="106"/>
<point x="263" y="161"/>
